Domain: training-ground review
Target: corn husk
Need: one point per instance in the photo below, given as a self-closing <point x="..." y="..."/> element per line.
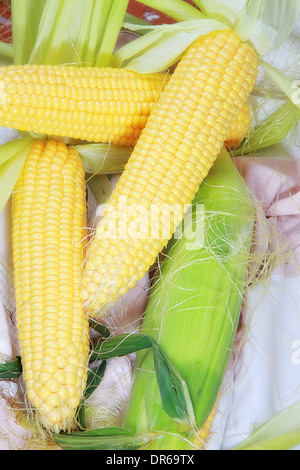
<point x="194" y="307"/>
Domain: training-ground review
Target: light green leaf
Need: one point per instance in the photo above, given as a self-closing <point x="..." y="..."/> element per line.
<point x="111" y="32"/>
<point x="175" y="397"/>
<point x="273" y="130"/>
<point x="226" y="11"/>
<point x="103" y="158"/>
<point x="289" y="88"/>
<point x="26" y="17"/>
<point x="12" y="157"/>
<point x="100" y="439"/>
<point x="267" y="23"/>
<point x="163" y="46"/>
<point x="282" y="432"/>
<point x="6" y="49"/>
<point x="56" y="42"/>
<point x="101" y="188"/>
<point x="179" y="10"/>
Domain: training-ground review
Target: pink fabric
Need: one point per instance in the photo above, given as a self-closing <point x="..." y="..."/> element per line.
<point x="275" y="184"/>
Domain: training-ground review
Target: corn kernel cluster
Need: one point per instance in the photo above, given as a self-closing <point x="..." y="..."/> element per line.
<point x="49" y="229"/>
<point x="181" y="140"/>
<point x="87" y="103"/>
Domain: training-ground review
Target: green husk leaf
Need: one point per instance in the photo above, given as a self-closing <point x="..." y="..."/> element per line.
<point x="111" y="31"/>
<point x="273" y="130"/>
<point x="285" y="441"/>
<point x="69" y="32"/>
<point x="129" y="18"/>
<point x="163" y="46"/>
<point x="103" y="158"/>
<point x="6" y="50"/>
<point x="289" y="88"/>
<point x="57" y="39"/>
<point x="179" y="10"/>
<point x="26" y="17"/>
<point x="94" y="378"/>
<point x="173" y="391"/>
<point x="226" y="11"/>
<point x="282" y="432"/>
<point x="100" y="439"/>
<point x="101" y="188"/>
<point x="11" y="369"/>
<point x="266" y="24"/>
<point x="101" y="329"/>
<point x="12" y="157"/>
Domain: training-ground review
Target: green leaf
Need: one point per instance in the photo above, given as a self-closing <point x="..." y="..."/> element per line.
<point x="12" y="157"/>
<point x="103" y="158"/>
<point x="120" y="345"/>
<point x="101" y="329"/>
<point x="273" y="130"/>
<point x="267" y="23"/>
<point x="25" y="23"/>
<point x="94" y="378"/>
<point x="161" y="47"/>
<point x="101" y="188"/>
<point x="100" y="439"/>
<point x="285" y="441"/>
<point x="282" y="432"/>
<point x="179" y="10"/>
<point x="176" y="401"/>
<point x="289" y="88"/>
<point x="11" y="370"/>
<point x="6" y="49"/>
<point x="129" y="18"/>
<point x="226" y="11"/>
<point x="111" y="32"/>
<point x="174" y="394"/>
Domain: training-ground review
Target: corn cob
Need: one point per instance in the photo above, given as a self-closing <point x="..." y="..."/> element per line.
<point x="181" y="140"/>
<point x="49" y="229"/>
<point x="92" y="104"/>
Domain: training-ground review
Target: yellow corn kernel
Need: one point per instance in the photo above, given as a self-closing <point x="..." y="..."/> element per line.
<point x="240" y="129"/>
<point x="205" y="431"/>
<point x="80" y="108"/>
<point x="92" y="104"/>
<point x="182" y="138"/>
<point x="49" y="230"/>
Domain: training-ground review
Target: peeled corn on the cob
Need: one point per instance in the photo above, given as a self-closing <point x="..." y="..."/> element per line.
<point x="49" y="230"/>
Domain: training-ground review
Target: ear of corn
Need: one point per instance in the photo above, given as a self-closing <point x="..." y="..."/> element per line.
<point x="87" y="103"/>
<point x="93" y="104"/>
<point x="49" y="230"/>
<point x="180" y="143"/>
<point x="199" y="285"/>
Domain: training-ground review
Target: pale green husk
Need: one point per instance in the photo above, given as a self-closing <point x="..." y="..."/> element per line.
<point x="199" y="285"/>
<point x="12" y="157"/>
<point x="282" y="432"/>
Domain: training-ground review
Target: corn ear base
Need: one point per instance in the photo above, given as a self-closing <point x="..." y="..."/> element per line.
<point x="195" y="304"/>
